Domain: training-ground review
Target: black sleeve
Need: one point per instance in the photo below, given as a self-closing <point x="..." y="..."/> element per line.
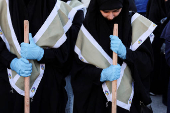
<point x="73" y="33"/>
<point x="85" y="73"/>
<point x="148" y="8"/>
<point x="167" y="52"/>
<point x="77" y="22"/>
<point x="56" y="55"/>
<point x="74" y="30"/>
<point x="141" y="65"/>
<point x="141" y="59"/>
<point x="5" y="55"/>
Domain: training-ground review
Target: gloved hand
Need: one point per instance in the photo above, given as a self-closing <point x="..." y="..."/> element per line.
<point x="118" y="47"/>
<point x="111" y="73"/>
<point x="31" y="51"/>
<point x="21" y="66"/>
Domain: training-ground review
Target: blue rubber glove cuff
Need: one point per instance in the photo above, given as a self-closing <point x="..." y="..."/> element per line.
<point x="12" y="64"/>
<point x="123" y="55"/>
<point x="41" y="54"/>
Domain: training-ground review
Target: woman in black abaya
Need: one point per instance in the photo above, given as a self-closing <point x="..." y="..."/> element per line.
<point x="156" y="11"/>
<point x="166" y="35"/>
<point x="50" y="96"/>
<point x="87" y="87"/>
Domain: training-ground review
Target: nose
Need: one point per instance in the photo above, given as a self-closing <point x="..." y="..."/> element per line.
<point x="111" y="16"/>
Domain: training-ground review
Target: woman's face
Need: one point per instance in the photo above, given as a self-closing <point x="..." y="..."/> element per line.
<point x="110" y="14"/>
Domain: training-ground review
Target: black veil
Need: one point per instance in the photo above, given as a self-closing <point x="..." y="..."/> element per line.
<point x="100" y="28"/>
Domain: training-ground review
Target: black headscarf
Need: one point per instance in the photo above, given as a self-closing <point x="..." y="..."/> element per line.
<point x="110" y="4"/>
<point x="165" y="33"/>
<point x="156" y="10"/>
<point x="100" y="28"/>
<point x="36" y="11"/>
<point x="132" y="6"/>
<point x="167" y="5"/>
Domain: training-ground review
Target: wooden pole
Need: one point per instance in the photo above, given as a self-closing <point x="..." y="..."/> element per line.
<point x="27" y="79"/>
<point x="114" y="83"/>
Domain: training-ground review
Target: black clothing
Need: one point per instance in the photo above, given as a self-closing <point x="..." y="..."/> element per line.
<point x="110" y="5"/>
<point x="168" y="100"/>
<point x="73" y="33"/>
<point x="87" y="88"/>
<point x="166" y="35"/>
<point x="156" y="11"/>
<point x="50" y="96"/>
<point x="132" y="6"/>
<point x="5" y="55"/>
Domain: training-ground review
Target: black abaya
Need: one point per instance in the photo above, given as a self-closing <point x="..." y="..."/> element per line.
<point x="156" y="11"/>
<point x="87" y="88"/>
<point x="50" y="96"/>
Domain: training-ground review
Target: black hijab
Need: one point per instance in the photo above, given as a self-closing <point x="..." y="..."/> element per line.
<point x="36" y="11"/>
<point x="165" y="33"/>
<point x="167" y="5"/>
<point x="100" y="28"/>
<point x="156" y="10"/>
<point x="132" y="6"/>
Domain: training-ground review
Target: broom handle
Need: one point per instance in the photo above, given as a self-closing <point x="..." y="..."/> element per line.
<point x="114" y="83"/>
<point x="27" y="79"/>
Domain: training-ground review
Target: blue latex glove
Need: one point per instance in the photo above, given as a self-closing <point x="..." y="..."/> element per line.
<point x="117" y="46"/>
<point x="31" y="51"/>
<point x="111" y="73"/>
<point x="21" y="66"/>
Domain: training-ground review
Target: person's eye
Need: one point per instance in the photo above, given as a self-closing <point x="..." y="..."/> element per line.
<point x="116" y="11"/>
<point x="105" y="11"/>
